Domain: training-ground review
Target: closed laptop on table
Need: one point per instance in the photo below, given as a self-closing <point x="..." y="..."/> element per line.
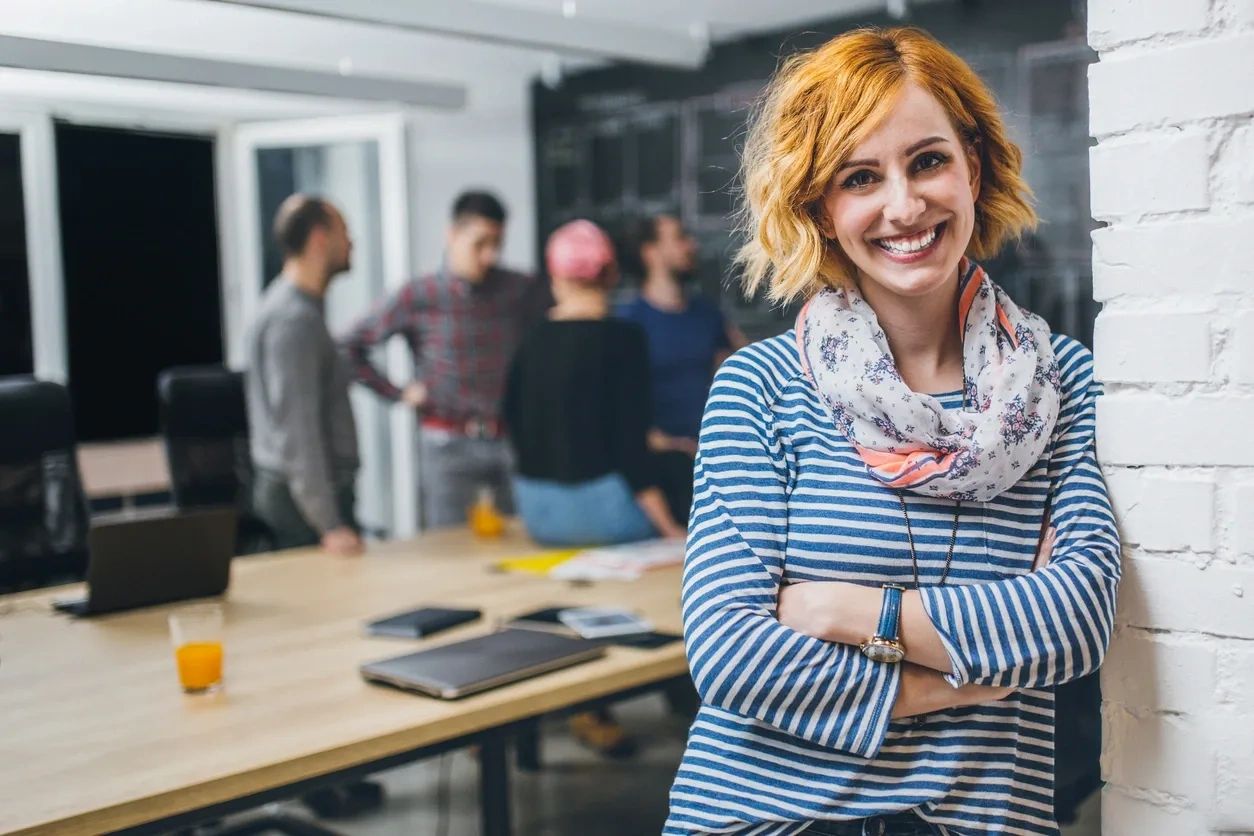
<point x="468" y="667"/>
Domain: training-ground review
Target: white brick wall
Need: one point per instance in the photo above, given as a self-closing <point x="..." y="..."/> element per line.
<point x="1120" y="338"/>
<point x="1175" y="428"/>
<point x="1128" y="815"/>
<point x="1192" y="258"/>
<point x="1243" y="346"/>
<point x="1160" y="593"/>
<point x="1234" y="170"/>
<point x="1121" y="21"/>
<point x="1244" y="13"/>
<point x="1162" y="510"/>
<point x="1243" y="519"/>
<point x="1178" y="83"/>
<point x="1172" y="109"/>
<point x="1124" y="181"/>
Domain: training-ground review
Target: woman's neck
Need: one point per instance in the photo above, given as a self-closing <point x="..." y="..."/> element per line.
<point x="922" y="334"/>
<point x="584" y="303"/>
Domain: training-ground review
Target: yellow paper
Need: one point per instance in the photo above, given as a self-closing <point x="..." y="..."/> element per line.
<point x="537" y="564"/>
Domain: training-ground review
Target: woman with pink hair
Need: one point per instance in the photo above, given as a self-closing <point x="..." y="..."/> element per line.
<point x="577" y="408"/>
<point x="578" y="412"/>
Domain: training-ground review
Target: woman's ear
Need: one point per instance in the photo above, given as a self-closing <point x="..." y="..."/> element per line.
<point x="822" y="219"/>
<point x="973" y="166"/>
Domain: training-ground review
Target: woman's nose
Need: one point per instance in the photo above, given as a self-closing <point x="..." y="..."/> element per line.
<point x="904" y="205"/>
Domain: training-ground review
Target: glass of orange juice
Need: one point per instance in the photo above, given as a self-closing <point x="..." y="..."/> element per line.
<point x="484" y="518"/>
<point x="197" y="636"/>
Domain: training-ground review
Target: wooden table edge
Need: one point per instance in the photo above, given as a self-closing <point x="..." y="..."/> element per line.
<point x="153" y="809"/>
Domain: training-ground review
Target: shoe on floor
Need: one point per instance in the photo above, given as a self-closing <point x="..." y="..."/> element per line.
<point x="601" y="733"/>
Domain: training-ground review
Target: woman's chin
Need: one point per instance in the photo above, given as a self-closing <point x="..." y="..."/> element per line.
<point x="912" y="280"/>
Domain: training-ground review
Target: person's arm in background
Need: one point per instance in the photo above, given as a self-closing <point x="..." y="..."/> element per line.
<point x="730" y="339"/>
<point x="743" y="660"/>
<point x="632" y="411"/>
<point x="394" y="316"/>
<point x="1035" y="630"/>
<point x="294" y="381"/>
<point x="537" y="299"/>
<point x="660" y="442"/>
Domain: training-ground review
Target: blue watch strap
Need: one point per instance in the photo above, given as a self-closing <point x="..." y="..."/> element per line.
<point x="890" y="614"/>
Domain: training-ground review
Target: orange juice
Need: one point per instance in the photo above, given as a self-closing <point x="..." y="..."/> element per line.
<point x="200" y="665"/>
<point x="484" y="519"/>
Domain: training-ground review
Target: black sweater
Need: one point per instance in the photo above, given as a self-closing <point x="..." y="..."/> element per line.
<point x="577" y="402"/>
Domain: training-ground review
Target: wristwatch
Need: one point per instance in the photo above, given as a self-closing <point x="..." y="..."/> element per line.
<point x="885" y="646"/>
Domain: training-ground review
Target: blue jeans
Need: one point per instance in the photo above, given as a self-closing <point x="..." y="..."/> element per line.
<point x="898" y="824"/>
<point x="599" y="511"/>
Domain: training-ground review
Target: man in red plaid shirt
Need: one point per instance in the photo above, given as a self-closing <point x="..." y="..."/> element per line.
<point x="462" y="324"/>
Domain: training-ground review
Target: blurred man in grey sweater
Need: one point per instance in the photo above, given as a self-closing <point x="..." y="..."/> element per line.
<point x="303" y="438"/>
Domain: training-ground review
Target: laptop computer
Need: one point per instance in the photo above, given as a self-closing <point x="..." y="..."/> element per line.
<point x="142" y="561"/>
<point x="473" y="665"/>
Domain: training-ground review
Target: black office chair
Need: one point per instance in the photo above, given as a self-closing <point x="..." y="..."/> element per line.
<point x="43" y="512"/>
<point x="205" y="423"/>
<point x="204" y="419"/>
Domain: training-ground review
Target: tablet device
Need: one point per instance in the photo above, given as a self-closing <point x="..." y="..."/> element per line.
<point x="602" y="622"/>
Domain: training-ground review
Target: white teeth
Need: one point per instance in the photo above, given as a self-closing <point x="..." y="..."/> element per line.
<point x="911" y="244"/>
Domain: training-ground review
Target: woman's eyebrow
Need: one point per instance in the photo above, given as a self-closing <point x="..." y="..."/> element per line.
<point x="922" y="143"/>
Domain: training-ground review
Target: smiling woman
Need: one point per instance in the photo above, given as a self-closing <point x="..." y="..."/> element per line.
<point x="819" y="121"/>
<point x="900" y="540"/>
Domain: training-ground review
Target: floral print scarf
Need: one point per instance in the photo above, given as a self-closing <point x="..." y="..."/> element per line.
<point x="907" y="439"/>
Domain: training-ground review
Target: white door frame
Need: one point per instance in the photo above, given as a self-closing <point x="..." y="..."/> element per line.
<point x="240" y="225"/>
<point x="45" y="277"/>
<point x="35" y="123"/>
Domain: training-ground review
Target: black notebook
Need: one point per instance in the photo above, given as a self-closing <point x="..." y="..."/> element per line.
<point x="420" y="623"/>
<point x="468" y="667"/>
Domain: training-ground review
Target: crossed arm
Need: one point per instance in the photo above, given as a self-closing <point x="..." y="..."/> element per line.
<point x="747" y="656"/>
<point x="848" y="613"/>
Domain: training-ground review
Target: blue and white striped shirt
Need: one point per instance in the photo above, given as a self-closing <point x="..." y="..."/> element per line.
<point x="793" y="729"/>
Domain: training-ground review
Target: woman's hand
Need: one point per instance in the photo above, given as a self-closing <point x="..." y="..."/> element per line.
<point x="674" y="532"/>
<point x="653" y="503"/>
<point x="924" y="691"/>
<point x="811" y="608"/>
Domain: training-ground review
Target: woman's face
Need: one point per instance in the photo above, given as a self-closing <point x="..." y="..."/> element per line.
<point x="903" y="207"/>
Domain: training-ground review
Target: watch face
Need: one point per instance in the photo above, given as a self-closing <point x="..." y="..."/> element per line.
<point x="883" y="652"/>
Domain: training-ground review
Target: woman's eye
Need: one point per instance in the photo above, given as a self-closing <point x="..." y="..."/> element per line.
<point x="930" y="160"/>
<point x="859" y="179"/>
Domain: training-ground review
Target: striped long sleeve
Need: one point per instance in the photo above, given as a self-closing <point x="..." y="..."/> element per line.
<point x="1053" y="625"/>
<point x="742" y="659"/>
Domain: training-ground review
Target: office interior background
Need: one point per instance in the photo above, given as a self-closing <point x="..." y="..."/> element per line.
<point x="136" y="225"/>
<point x="146" y="144"/>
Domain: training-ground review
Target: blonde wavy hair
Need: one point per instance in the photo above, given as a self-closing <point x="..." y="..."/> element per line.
<point x="817" y="108"/>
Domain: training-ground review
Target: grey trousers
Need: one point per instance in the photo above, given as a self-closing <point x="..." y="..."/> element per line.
<point x="274" y="506"/>
<point x="453" y="468"/>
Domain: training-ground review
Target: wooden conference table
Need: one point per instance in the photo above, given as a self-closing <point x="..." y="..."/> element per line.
<point x="96" y="736"/>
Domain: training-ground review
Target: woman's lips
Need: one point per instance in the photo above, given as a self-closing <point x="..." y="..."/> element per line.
<point x="910" y="256"/>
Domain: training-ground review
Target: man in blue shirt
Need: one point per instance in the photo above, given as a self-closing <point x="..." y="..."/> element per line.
<point x="688" y="340"/>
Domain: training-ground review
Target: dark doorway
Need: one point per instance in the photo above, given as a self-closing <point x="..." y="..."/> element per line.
<point x="142" y="289"/>
<point x="16" y="356"/>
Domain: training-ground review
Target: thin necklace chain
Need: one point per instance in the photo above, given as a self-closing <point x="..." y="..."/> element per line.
<point x="953" y="538"/>
<point x="953" y="534"/>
